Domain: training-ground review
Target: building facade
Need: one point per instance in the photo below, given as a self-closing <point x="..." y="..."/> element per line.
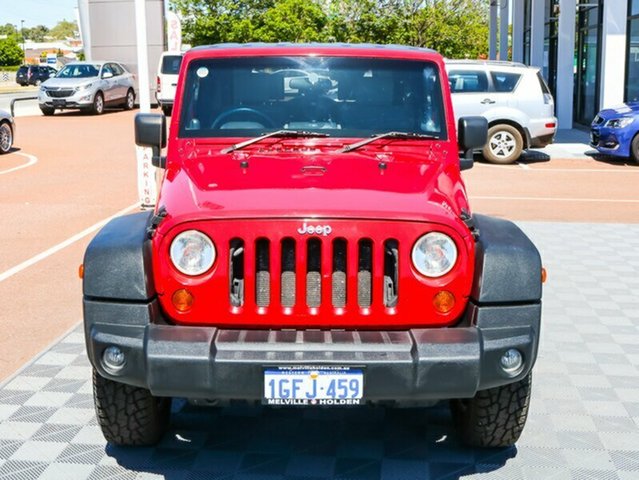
<point x="587" y="50"/>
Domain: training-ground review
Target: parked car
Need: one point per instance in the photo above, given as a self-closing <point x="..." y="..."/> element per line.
<point x="167" y="77"/>
<point x="88" y="86"/>
<point x="7" y="130"/>
<point x="513" y="97"/>
<point x="615" y="131"/>
<point x="34" y="74"/>
<point x="313" y="245"/>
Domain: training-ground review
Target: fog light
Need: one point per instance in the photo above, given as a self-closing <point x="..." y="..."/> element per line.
<point x="113" y="358"/>
<point x="511" y="361"/>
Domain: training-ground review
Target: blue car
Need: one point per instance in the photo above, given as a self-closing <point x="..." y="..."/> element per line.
<point x="615" y="131"/>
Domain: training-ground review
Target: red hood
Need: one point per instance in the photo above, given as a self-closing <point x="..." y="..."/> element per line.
<point x="313" y="184"/>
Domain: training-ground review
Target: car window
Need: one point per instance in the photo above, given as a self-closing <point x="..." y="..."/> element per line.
<point x="468" y="81"/>
<point x="107" y="69"/>
<point x="171" y="64"/>
<point x="117" y="69"/>
<point x="505" y="81"/>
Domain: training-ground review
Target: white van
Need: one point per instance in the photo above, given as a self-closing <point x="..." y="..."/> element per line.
<point x="168" y="70"/>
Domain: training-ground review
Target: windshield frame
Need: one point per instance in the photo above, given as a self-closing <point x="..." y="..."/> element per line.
<point x="438" y="92"/>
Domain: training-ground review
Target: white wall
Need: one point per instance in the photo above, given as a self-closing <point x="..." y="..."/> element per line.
<point x="613" y="51"/>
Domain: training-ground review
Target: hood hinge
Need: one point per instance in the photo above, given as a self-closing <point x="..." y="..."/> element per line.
<point x="468" y="220"/>
<point x="155" y="221"/>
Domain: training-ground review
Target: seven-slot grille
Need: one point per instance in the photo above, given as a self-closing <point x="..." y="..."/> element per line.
<point x="315" y="272"/>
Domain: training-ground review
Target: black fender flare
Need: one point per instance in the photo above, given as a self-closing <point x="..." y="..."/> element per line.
<point x="117" y="262"/>
<point x="507" y="264"/>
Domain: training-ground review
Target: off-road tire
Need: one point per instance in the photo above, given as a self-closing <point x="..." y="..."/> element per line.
<point x="98" y="104"/>
<point x="504" y="144"/>
<point x="129" y="415"/>
<point x="167" y="110"/>
<point x="6" y="137"/>
<point x="47" y="112"/>
<point x="129" y="100"/>
<point x="634" y="148"/>
<point x="493" y="417"/>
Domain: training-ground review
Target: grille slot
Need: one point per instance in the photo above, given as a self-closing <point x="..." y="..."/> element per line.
<point x="338" y="293"/>
<point x="262" y="273"/>
<point x="365" y="274"/>
<point x="236" y="272"/>
<point x="314" y="273"/>
<point x="287" y="294"/>
<point x="391" y="273"/>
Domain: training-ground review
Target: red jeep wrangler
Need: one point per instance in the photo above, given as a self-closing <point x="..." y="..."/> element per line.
<point x="312" y="245"/>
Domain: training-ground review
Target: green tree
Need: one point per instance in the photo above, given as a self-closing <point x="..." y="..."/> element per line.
<point x="63" y="30"/>
<point x="9" y="30"/>
<point x="36" y="34"/>
<point x="10" y="52"/>
<point x="292" y="21"/>
<point x="455" y="28"/>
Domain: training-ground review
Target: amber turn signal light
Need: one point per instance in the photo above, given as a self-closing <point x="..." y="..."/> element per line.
<point x="544" y="275"/>
<point x="444" y="301"/>
<point x="81" y="271"/>
<point x="182" y="300"/>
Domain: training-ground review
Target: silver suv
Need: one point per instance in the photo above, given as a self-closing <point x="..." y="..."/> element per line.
<point x="513" y="97"/>
<point x="88" y="86"/>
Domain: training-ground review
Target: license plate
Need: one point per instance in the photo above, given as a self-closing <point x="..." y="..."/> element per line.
<point x="313" y="386"/>
<point x="59" y="103"/>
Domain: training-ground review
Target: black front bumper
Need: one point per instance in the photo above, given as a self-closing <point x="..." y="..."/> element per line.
<point x="409" y="365"/>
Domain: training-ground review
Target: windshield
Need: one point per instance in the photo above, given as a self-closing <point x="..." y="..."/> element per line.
<point x="340" y="96"/>
<point x="79" y="71"/>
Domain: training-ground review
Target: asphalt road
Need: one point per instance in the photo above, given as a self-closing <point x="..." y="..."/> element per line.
<point x="22" y="108"/>
<point x="71" y="172"/>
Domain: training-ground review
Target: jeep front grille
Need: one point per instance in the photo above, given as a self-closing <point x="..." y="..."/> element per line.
<point x="318" y="272"/>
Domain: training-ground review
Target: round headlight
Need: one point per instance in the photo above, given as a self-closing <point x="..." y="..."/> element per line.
<point x="434" y="254"/>
<point x="192" y="252"/>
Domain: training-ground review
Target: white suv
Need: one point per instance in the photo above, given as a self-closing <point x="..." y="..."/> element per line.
<point x="513" y="97"/>
<point x="168" y="70"/>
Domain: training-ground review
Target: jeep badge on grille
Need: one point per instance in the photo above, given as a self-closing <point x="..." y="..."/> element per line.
<point x="305" y="229"/>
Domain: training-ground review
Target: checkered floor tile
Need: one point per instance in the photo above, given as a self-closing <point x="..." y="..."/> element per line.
<point x="584" y="420"/>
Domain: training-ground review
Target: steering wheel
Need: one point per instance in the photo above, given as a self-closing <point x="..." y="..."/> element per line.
<point x="219" y="121"/>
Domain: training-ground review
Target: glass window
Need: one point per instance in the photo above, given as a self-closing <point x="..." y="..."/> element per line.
<point x="117" y="69"/>
<point x="632" y="67"/>
<point x="634" y="7"/>
<point x="468" y="81"/>
<point x="171" y="64"/>
<point x="504" y="81"/>
<point x="82" y="70"/>
<point x="341" y="96"/>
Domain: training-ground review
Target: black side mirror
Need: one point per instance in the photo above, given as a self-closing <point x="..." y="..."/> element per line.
<point x="150" y="131"/>
<point x="472" y="133"/>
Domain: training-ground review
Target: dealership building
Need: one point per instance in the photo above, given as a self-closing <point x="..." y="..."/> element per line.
<point x="587" y="50"/>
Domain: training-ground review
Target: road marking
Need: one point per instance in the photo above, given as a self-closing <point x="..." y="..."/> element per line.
<point x="56" y="248"/>
<point x="32" y="160"/>
<point x="619" y="169"/>
<point x="555" y="199"/>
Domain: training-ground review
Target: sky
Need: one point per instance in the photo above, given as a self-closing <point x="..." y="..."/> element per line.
<point x="37" y="12"/>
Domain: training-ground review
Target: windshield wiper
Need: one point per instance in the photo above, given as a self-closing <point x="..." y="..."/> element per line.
<point x="278" y="133"/>
<point x="379" y="136"/>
